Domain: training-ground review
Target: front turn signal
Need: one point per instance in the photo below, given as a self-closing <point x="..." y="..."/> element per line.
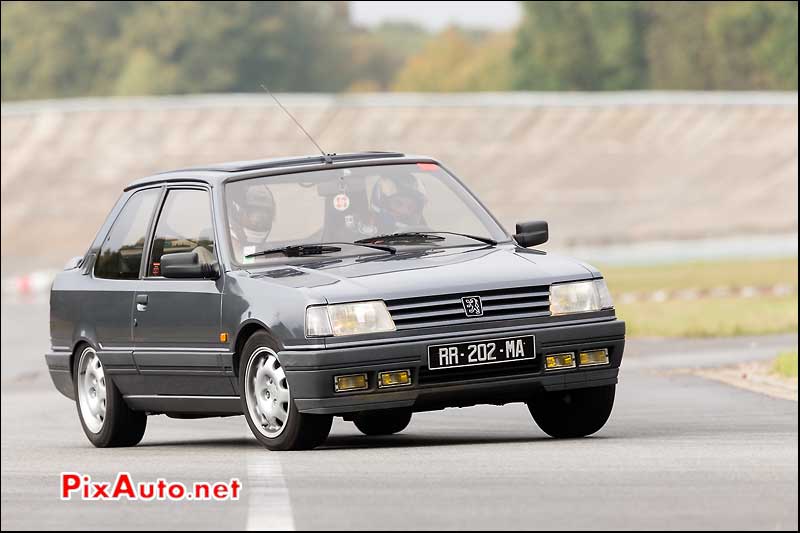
<point x="394" y="378"/>
<point x="593" y="357"/>
<point x="558" y="361"/>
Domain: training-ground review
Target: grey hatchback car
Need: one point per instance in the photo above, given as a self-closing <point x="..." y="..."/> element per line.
<point x="367" y="286"/>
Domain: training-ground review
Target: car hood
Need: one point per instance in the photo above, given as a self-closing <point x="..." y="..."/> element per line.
<point x="422" y="272"/>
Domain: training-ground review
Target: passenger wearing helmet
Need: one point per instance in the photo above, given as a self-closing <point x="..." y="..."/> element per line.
<point x="397" y="204"/>
<point x="252" y="215"/>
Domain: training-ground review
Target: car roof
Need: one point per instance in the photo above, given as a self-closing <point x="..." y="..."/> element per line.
<point x="217" y="174"/>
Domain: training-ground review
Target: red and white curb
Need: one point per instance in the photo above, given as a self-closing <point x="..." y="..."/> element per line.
<point x="33" y="283"/>
<point x="747" y="291"/>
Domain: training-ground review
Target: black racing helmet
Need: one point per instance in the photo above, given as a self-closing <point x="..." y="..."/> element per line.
<point x="398" y="201"/>
<point x="254" y="212"/>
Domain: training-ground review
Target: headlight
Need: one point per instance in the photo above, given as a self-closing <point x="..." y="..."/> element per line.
<point x="348" y="319"/>
<point x="579" y="297"/>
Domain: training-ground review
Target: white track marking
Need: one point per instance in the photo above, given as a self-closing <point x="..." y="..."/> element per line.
<point x="268" y="505"/>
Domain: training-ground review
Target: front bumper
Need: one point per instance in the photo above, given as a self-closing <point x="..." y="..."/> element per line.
<point x="312" y="372"/>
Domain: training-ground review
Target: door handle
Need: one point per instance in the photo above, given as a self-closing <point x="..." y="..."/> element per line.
<point x="141" y="302"/>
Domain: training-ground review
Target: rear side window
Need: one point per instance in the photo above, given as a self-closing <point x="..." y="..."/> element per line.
<point x="121" y="253"/>
<point x="184" y="225"/>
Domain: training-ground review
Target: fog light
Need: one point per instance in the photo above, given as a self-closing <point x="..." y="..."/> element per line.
<point x="557" y="361"/>
<point x="593" y="357"/>
<point x="350" y="383"/>
<point x="394" y="378"/>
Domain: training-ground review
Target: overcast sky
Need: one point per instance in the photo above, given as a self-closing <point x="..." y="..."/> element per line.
<point x="436" y="15"/>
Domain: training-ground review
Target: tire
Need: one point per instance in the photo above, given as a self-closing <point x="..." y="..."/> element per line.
<point x="385" y="422"/>
<point x="107" y="422"/>
<point x="267" y="404"/>
<point x="573" y="413"/>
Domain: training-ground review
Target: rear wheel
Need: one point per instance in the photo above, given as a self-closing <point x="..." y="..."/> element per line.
<point x="267" y="402"/>
<point x="573" y="413"/>
<point x="385" y="422"/>
<point x="105" y="417"/>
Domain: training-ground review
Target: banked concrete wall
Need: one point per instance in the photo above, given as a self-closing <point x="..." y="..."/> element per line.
<point x="599" y="167"/>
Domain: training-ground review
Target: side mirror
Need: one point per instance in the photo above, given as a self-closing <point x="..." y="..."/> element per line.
<point x="75" y="262"/>
<point x="187" y="265"/>
<point x="531" y="233"/>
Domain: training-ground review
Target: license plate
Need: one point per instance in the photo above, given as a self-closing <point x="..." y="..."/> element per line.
<point x="489" y="352"/>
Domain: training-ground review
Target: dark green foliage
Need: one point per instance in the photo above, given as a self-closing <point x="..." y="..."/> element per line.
<point x="63" y="49"/>
<point x="601" y="45"/>
<point x="122" y="48"/>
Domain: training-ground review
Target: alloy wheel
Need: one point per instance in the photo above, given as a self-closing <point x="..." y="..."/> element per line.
<point x="267" y="393"/>
<point x="92" y="390"/>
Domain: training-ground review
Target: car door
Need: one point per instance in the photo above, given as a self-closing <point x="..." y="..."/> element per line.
<point x="176" y="322"/>
<point x="106" y="308"/>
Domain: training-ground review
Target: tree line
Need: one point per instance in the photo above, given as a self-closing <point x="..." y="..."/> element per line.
<point x="67" y="49"/>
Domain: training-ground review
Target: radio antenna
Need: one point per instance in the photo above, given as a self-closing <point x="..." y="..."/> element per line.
<point x="325" y="156"/>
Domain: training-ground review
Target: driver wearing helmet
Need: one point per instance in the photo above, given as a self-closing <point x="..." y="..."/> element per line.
<point x="397" y="205"/>
<point x="252" y="215"/>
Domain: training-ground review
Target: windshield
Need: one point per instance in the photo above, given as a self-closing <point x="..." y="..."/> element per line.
<point x="344" y="205"/>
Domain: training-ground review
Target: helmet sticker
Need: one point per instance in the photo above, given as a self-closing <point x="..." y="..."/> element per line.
<point x="341" y="202"/>
<point x="247" y="250"/>
<point x="367" y="229"/>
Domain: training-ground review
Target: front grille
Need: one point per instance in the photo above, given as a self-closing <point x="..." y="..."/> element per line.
<point x="446" y="309"/>
<point x="426" y="376"/>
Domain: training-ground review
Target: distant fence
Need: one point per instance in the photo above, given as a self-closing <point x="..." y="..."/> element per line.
<point x="600" y="167"/>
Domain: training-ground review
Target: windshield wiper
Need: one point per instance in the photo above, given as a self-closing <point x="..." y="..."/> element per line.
<point x="302" y="250"/>
<point x="424" y="236"/>
<point x="297" y="250"/>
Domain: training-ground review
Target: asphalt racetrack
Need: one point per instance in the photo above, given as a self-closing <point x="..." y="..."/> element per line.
<point x="679" y="452"/>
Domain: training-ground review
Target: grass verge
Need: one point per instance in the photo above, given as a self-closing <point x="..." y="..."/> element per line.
<point x="711" y="316"/>
<point x="705" y="275"/>
<point x="785" y="365"/>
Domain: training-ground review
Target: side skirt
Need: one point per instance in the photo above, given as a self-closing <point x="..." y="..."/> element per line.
<point x="162" y="403"/>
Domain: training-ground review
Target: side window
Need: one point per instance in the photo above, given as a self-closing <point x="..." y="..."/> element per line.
<point x="184" y="225"/>
<point x="121" y="253"/>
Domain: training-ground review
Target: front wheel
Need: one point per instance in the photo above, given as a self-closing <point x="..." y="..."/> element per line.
<point x="105" y="417"/>
<point x="267" y="401"/>
<point x="573" y="413"/>
<point x="385" y="422"/>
